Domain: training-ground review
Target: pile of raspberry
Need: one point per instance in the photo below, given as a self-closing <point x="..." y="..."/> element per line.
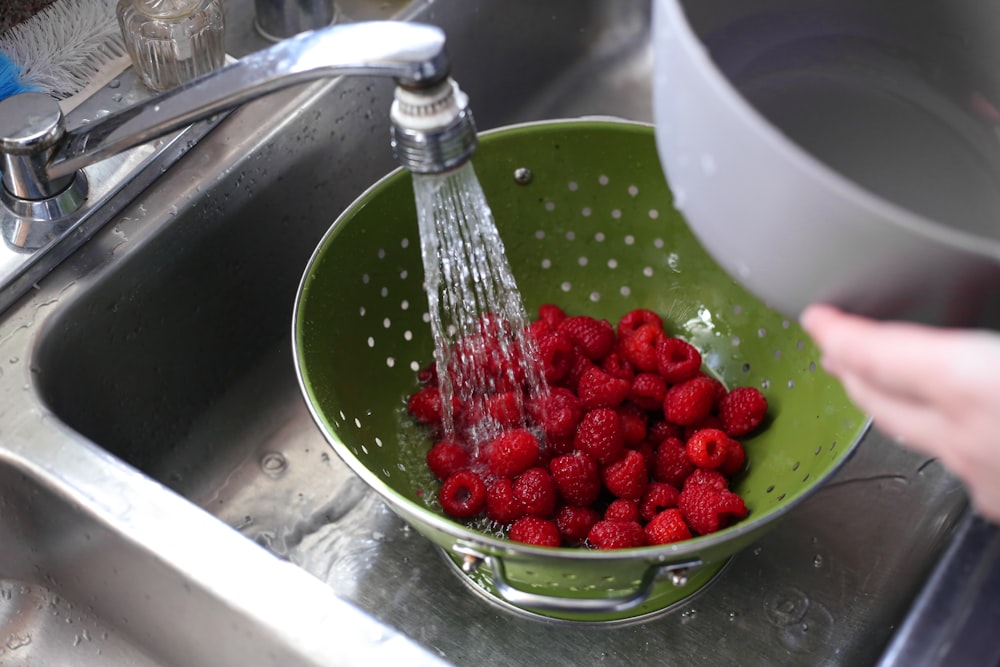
<point x="633" y="444"/>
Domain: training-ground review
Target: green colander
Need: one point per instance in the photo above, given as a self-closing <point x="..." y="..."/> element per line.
<point x="589" y="224"/>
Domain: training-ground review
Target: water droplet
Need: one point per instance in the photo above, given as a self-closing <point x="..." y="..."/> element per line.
<point x="114" y="83"/>
<point x="818" y="561"/>
<point x="273" y="464"/>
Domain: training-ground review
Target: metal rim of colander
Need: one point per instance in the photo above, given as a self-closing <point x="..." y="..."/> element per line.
<point x="492" y="546"/>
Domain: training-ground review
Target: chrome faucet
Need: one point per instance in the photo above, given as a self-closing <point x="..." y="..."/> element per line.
<point x="432" y="129"/>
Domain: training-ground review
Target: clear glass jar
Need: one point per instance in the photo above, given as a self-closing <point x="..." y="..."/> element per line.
<point x="173" y="41"/>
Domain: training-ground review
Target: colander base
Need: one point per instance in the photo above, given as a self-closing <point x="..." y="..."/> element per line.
<point x="666" y="597"/>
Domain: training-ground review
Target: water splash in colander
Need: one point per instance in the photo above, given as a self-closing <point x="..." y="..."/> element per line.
<point x="476" y="313"/>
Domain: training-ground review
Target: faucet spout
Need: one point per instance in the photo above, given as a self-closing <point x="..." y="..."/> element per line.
<point x="411" y="53"/>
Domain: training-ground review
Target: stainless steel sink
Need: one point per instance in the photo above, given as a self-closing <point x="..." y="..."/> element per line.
<point x="165" y="490"/>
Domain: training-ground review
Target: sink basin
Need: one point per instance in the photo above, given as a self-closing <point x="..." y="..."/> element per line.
<point x="164" y="484"/>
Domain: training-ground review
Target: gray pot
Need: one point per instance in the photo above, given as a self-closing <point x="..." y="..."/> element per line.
<point x="846" y="152"/>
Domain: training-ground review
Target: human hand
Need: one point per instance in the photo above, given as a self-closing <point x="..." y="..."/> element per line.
<point x="936" y="390"/>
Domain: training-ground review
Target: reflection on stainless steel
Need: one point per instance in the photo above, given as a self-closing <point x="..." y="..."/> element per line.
<point x="161" y="474"/>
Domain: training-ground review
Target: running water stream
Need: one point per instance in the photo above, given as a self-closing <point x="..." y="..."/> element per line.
<point x="477" y="316"/>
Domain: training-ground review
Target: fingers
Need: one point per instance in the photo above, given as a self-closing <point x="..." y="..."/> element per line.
<point x="896" y="358"/>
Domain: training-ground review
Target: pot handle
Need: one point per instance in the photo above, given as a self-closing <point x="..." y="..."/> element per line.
<point x="678" y="573"/>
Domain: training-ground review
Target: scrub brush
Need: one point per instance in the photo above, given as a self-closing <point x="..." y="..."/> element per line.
<point x="66" y="50"/>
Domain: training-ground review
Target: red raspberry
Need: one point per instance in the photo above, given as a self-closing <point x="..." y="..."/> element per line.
<point x="627" y="477"/>
<point x="463" y="495"/>
<point x="575" y="522"/>
<point x="707" y="510"/>
<point x="689" y="402"/>
<point x="710" y="421"/>
<point x="713" y="479"/>
<point x="425" y="406"/>
<point x="666" y="527"/>
<point x="558" y="413"/>
<point x="677" y="360"/>
<point x="595" y="337"/>
<point x="618" y="366"/>
<point x="505" y="408"/>
<point x="658" y="497"/>
<point x="577" y="478"/>
<point x="672" y="464"/>
<point x="600" y="435"/>
<point x="648" y="391"/>
<point x="535" y="530"/>
<point x="634" y="319"/>
<point x="597" y="389"/>
<point x="556" y="356"/>
<point x="581" y="364"/>
<point x="616" y="535"/>
<point x="621" y="509"/>
<point x="707" y="448"/>
<point x="446" y="458"/>
<point x="551" y="313"/>
<point x="735" y="458"/>
<point x="742" y="410"/>
<point x="648" y="452"/>
<point x="633" y="423"/>
<point x="661" y="430"/>
<point x="500" y="503"/>
<point x="639" y="348"/>
<point x="512" y="452"/>
<point x="428" y="376"/>
<point x="535" y="492"/>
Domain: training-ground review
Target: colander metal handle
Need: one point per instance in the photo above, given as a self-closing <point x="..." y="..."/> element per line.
<point x="677" y="572"/>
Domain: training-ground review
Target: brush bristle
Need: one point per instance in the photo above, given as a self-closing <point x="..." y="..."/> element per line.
<point x="60" y="49"/>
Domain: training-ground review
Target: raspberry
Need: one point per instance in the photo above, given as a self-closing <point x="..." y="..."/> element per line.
<point x="742" y="410"/>
<point x="633" y="423"/>
<point x="551" y="313"/>
<point x="425" y="405"/>
<point x="535" y="492"/>
<point x="661" y="430"/>
<point x="666" y="527"/>
<point x="581" y="363"/>
<point x="535" y="530"/>
<point x="463" y="494"/>
<point x="500" y="503"/>
<point x="707" y="510"/>
<point x="710" y="421"/>
<point x="622" y="510"/>
<point x="597" y="389"/>
<point x="575" y="522"/>
<point x="647" y="391"/>
<point x="672" y="464"/>
<point x="627" y="477"/>
<point x="648" y="452"/>
<point x="677" y="360"/>
<point x="690" y="401"/>
<point x="658" y="497"/>
<point x="577" y="478"/>
<point x="512" y="452"/>
<point x="504" y="408"/>
<point x="713" y="479"/>
<point x="735" y="458"/>
<point x="639" y="348"/>
<point x="558" y="413"/>
<point x="707" y="448"/>
<point x="617" y="366"/>
<point x="608" y="534"/>
<point x="446" y="458"/>
<point x="556" y="357"/>
<point x="600" y="435"/>
<point x="428" y="376"/>
<point x="634" y="319"/>
<point x="595" y="337"/>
